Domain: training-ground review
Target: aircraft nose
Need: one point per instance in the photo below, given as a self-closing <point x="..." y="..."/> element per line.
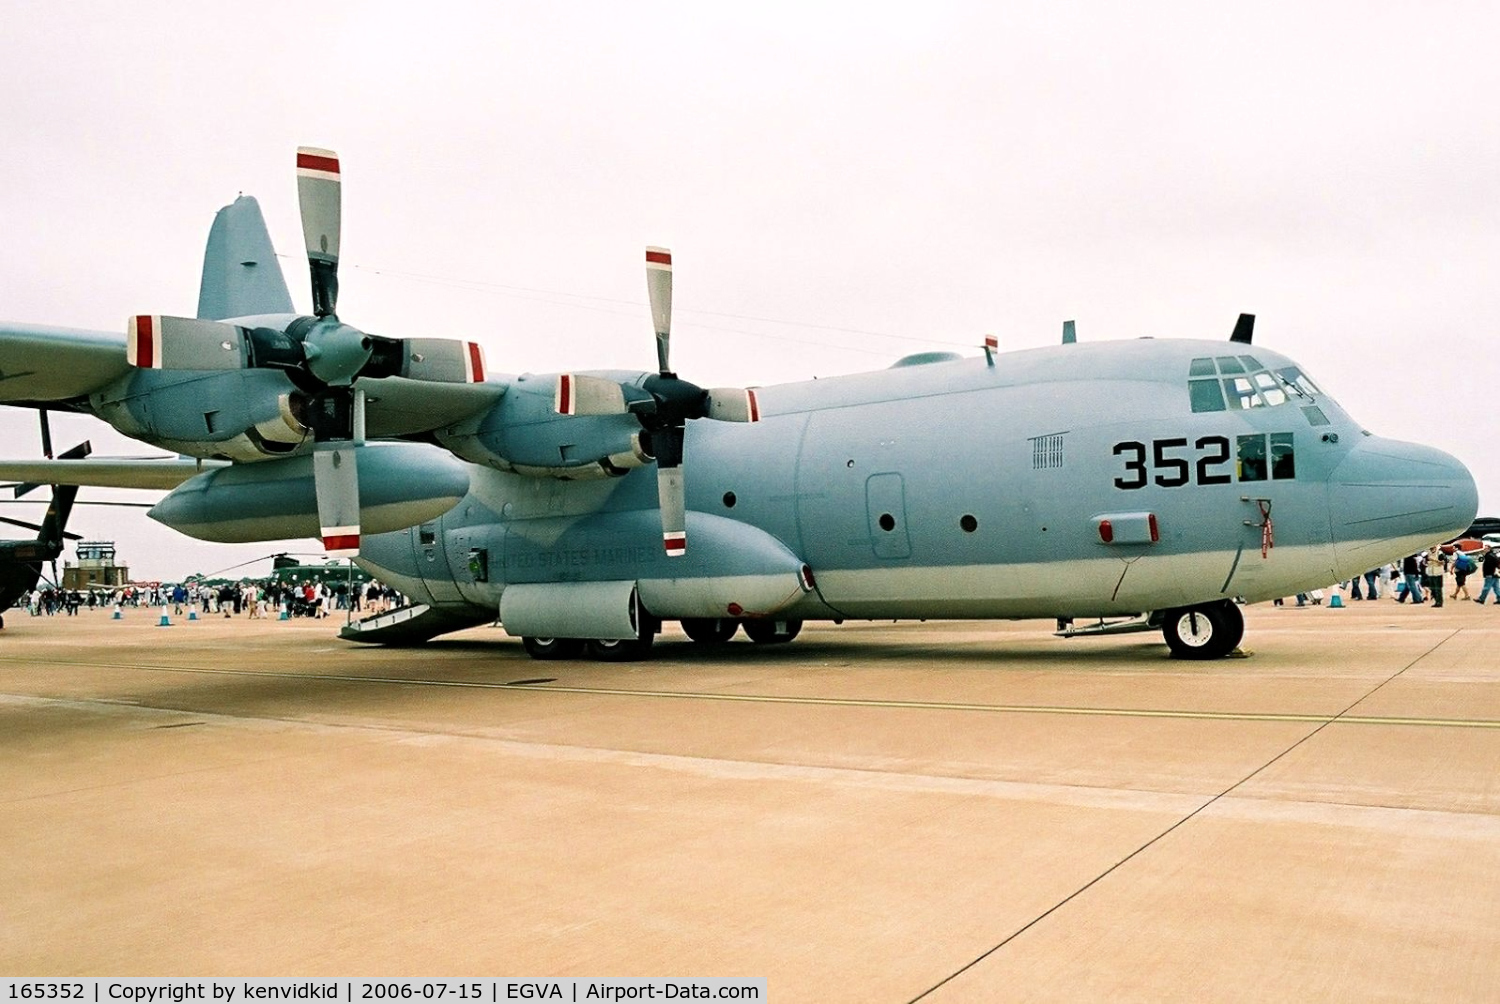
<point x="1388" y="499"/>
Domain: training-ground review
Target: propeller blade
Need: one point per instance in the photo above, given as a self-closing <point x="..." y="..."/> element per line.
<point x="666" y="444"/>
<point x="442" y="360"/>
<point x="336" y="477"/>
<point x="318" y="197"/>
<point x="733" y="404"/>
<point x="21" y="523"/>
<point x="587" y="395"/>
<point x="670" y="492"/>
<point x="659" y="286"/>
<point x="183" y="343"/>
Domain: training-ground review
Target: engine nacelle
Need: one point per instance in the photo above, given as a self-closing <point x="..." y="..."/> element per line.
<point x="526" y="435"/>
<point x="242" y="414"/>
<point x="400" y="485"/>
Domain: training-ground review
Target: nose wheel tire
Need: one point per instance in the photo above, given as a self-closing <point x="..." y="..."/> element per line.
<point x="710" y="630"/>
<point x="1207" y="631"/>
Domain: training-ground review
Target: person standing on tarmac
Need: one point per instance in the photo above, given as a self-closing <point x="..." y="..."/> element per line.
<point x="1435" y="567"/>
<point x="1463" y="567"/>
<point x="1489" y="566"/>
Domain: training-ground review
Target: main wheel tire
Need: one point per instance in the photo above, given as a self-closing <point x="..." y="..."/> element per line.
<point x="710" y="630"/>
<point x="619" y="649"/>
<point x="766" y="631"/>
<point x="1207" y="631"/>
<point x="1235" y="618"/>
<point x="553" y="648"/>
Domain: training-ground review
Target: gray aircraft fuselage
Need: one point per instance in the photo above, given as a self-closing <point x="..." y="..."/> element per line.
<point x="956" y="489"/>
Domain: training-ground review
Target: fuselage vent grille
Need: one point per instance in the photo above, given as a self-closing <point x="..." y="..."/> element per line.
<point x="1047" y="451"/>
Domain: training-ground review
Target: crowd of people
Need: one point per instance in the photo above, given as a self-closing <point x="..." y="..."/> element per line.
<point x="1422" y="578"/>
<point x="267" y="598"/>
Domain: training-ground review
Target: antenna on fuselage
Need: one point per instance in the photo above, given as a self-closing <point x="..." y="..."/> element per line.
<point x="1070" y="333"/>
<point x="1244" y="329"/>
<point x="991" y="346"/>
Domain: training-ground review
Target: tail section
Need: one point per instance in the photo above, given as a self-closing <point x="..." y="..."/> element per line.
<point x="241" y="276"/>
<point x="55" y="524"/>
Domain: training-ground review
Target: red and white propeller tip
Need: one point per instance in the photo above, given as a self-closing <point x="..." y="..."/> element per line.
<point x="659" y="287"/>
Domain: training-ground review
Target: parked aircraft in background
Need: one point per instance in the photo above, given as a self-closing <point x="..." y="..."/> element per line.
<point x="21" y="561"/>
<point x="1146" y="484"/>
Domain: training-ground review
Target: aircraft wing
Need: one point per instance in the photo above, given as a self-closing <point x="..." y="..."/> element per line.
<point x="397" y="406"/>
<point x="158" y="474"/>
<point x="40" y="364"/>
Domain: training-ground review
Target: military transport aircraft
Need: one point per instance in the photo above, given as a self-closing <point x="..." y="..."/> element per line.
<point x="1144" y="484"/>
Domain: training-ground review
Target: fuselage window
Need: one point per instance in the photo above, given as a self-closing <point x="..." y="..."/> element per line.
<point x="1250" y="363"/>
<point x="1206" y="395"/>
<point x="427" y="533"/>
<point x="1203" y="366"/>
<point x="1252" y="459"/>
<point x="1283" y="457"/>
<point x="1229" y="364"/>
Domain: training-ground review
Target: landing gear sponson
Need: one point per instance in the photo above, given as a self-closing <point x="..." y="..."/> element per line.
<point x="703" y="631"/>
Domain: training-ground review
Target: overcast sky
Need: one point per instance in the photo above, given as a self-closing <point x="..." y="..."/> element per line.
<point x="840" y="184"/>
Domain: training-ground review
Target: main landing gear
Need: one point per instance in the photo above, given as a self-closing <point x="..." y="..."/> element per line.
<point x="1205" y="631"/>
<point x="705" y="631"/>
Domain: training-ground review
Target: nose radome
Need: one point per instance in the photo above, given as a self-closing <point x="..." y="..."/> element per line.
<point x="1388" y="499"/>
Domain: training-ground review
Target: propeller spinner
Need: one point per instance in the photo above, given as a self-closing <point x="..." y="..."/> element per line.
<point x="664" y="414"/>
<point x="322" y="355"/>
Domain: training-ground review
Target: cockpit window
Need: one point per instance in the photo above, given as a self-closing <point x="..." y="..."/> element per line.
<point x="1241" y="394"/>
<point x="1270" y="389"/>
<point x="1296" y="378"/>
<point x="1206" y="395"/>
<point x="1283" y="457"/>
<point x="1244" y="383"/>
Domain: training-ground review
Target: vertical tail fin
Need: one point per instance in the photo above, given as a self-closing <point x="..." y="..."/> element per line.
<point x="241" y="276"/>
<point x="56" y="520"/>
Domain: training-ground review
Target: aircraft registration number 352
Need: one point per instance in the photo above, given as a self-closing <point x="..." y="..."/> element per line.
<point x="1168" y="463"/>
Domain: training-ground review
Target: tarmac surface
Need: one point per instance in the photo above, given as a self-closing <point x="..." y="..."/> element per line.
<point x="949" y="811"/>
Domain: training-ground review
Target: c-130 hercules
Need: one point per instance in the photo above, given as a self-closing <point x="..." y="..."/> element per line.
<point x="1145" y="484"/>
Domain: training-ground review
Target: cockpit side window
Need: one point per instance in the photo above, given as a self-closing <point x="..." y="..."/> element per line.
<point x="1206" y="395"/>
<point x="1252" y="458"/>
<point x="1283" y="457"/>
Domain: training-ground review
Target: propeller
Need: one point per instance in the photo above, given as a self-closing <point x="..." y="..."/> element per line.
<point x="321" y="355"/>
<point x="36" y="527"/>
<point x="664" y="411"/>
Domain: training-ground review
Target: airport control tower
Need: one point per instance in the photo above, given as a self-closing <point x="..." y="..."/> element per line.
<point x="95" y="568"/>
